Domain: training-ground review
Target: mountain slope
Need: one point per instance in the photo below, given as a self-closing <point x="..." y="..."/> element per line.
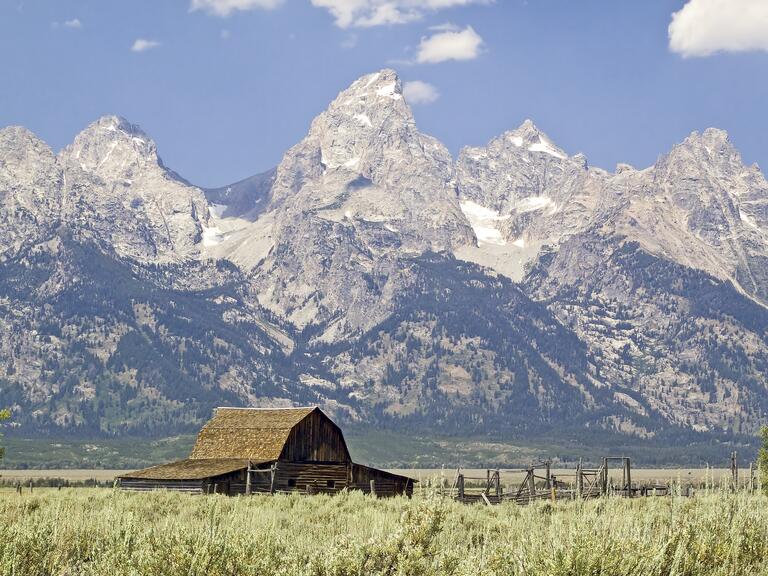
<point x="91" y="343"/>
<point x="517" y="289"/>
<point x="686" y="345"/>
<point x="117" y="187"/>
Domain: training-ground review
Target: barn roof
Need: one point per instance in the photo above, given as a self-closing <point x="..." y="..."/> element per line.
<point x="257" y="434"/>
<point x="190" y="469"/>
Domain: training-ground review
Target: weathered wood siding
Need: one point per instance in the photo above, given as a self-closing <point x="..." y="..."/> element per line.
<point x="385" y="483"/>
<point x="142" y="485"/>
<point x="315" y="439"/>
<point x="303" y="477"/>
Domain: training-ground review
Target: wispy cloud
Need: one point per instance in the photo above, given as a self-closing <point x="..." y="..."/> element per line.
<point x="704" y="27"/>
<point x="74" y="24"/>
<point x="446" y="27"/>
<point x="370" y="13"/>
<point x="346" y="13"/>
<point x="450" y="45"/>
<point x="224" y="8"/>
<point x="142" y="45"/>
<point x="418" y="92"/>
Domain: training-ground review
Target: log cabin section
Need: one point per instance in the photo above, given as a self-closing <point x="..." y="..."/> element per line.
<point x="251" y="451"/>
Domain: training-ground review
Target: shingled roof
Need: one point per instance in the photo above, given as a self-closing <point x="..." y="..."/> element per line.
<point x="247" y="433"/>
<point x="190" y="469"/>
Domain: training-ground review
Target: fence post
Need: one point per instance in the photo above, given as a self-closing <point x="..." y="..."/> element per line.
<point x="580" y="479"/>
<point x="531" y="484"/>
<point x="604" y="478"/>
<point x="554" y="489"/>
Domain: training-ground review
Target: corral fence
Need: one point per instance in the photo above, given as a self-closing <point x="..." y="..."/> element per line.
<point x="612" y="478"/>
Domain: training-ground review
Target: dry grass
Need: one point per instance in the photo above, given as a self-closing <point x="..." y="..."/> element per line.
<point x="508" y="476"/>
<point x="95" y="532"/>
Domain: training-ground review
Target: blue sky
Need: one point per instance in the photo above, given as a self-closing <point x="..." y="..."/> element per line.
<point x="226" y="86"/>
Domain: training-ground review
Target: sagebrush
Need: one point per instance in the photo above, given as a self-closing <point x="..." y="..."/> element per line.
<point x="108" y="532"/>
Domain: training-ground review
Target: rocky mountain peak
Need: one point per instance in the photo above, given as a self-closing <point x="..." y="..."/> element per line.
<point x="362" y="189"/>
<point x="111" y="147"/>
<point x="365" y="123"/>
<point x="529" y="138"/>
<point x="22" y="152"/>
<point x="711" y="149"/>
<point x="382" y="84"/>
<point x="367" y="137"/>
<point x="119" y="190"/>
<point x="17" y="139"/>
<point x="30" y="187"/>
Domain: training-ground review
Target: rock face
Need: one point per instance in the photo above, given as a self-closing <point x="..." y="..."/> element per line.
<point x="30" y="189"/>
<point x="363" y="191"/>
<point x="701" y="207"/>
<point x="517" y="289"/>
<point x="522" y="192"/>
<point x="117" y="188"/>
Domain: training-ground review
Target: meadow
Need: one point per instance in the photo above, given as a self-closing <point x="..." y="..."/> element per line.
<point x="108" y="532"/>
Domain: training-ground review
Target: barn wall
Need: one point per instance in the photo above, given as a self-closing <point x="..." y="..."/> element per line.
<point x="315" y="439"/>
<point x="385" y="483"/>
<point x="312" y="478"/>
<point x="144" y="485"/>
<point x="306" y="478"/>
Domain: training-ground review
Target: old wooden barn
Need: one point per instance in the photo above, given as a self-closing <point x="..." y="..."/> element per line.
<point x="251" y="450"/>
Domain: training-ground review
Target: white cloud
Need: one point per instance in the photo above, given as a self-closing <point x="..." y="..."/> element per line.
<point x="368" y="13"/>
<point x="224" y="8"/>
<point x="703" y="27"/>
<point x="447" y="27"/>
<point x="418" y="92"/>
<point x="74" y="24"/>
<point x="450" y="45"/>
<point x="142" y="45"/>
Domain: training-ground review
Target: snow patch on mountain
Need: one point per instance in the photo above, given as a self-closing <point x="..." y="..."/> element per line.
<point x="484" y="222"/>
<point x="546" y="148"/>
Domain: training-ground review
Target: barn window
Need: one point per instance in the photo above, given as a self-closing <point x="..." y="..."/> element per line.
<point x="331" y="483"/>
<point x="291" y="482"/>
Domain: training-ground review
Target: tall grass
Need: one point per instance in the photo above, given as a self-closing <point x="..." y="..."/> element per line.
<point x="105" y="532"/>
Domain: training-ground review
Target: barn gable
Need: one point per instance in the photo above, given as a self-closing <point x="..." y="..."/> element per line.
<point x="293" y="434"/>
<point x="315" y="438"/>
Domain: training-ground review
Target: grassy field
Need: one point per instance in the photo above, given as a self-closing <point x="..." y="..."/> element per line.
<point x="508" y="477"/>
<point x="383" y="449"/>
<point x="115" y="454"/>
<point x="107" y="532"/>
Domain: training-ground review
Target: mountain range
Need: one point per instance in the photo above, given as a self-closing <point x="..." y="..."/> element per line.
<point x="515" y="288"/>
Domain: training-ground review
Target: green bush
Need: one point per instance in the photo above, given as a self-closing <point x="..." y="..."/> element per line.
<point x="4" y="415"/>
<point x="762" y="460"/>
